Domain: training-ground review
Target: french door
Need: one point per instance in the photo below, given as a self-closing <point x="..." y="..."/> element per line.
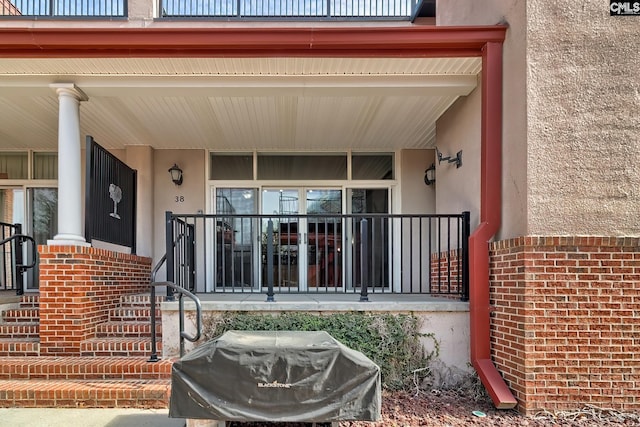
<point x="37" y="210"/>
<point x="307" y="237"/>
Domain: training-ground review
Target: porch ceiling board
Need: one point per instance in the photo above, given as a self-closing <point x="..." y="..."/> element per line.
<point x="237" y="103"/>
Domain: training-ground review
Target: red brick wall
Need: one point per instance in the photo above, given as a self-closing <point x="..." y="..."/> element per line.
<point x="566" y="322"/>
<point x="78" y="286"/>
<point x="445" y="273"/>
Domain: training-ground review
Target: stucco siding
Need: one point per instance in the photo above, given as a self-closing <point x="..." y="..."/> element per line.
<point x="514" y="125"/>
<point x="583" y="101"/>
<point x="458" y="189"/>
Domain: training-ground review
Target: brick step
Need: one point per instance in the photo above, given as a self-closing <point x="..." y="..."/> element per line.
<point x="127" y="329"/>
<point x="84" y="368"/>
<point x="140" y="300"/>
<point x="19" y="347"/>
<point x="133" y="314"/>
<point x="20" y="315"/>
<point x="30" y="301"/>
<point x="19" y="329"/>
<point x="118" y="347"/>
<point x="85" y="393"/>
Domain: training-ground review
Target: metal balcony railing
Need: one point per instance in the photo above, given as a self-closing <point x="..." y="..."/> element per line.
<point x="101" y="9"/>
<point x="347" y="10"/>
<point x="352" y="253"/>
<point x="285" y="9"/>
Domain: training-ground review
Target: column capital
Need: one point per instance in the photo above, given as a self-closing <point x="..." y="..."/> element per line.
<point x="69" y="89"/>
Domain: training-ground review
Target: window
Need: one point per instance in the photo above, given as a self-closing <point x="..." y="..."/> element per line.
<point x="231" y="166"/>
<point x="372" y="166"/>
<point x="302" y="166"/>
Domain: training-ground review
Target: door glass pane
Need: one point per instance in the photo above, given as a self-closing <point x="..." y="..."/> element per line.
<point x="234" y="251"/>
<point x="44" y="205"/>
<point x="278" y="204"/>
<point x="371" y="201"/>
<point x="324" y="242"/>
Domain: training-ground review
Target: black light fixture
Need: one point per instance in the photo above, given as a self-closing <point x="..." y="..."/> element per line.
<point x="457" y="159"/>
<point x="430" y="175"/>
<point x="176" y="174"/>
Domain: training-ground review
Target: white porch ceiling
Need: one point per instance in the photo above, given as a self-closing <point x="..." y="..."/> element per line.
<point x="236" y="103"/>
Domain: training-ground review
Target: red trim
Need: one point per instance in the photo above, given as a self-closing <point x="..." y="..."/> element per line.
<point x="490" y="218"/>
<point x="416" y="41"/>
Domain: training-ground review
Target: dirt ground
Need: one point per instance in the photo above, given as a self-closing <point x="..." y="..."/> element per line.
<point x="450" y="409"/>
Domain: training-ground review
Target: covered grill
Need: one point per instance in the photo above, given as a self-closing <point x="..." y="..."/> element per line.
<point x="281" y="376"/>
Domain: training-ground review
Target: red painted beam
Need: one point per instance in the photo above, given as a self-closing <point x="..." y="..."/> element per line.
<point x="490" y="218"/>
<point x="410" y="41"/>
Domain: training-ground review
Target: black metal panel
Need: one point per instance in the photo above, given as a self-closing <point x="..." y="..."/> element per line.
<point x="110" y="214"/>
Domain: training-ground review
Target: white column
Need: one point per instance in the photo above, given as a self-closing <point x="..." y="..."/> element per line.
<point x="70" y="221"/>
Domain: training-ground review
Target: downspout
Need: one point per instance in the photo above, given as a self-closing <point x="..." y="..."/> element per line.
<point x="490" y="218"/>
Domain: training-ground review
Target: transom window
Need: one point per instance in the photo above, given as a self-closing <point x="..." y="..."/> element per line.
<point x="307" y="166"/>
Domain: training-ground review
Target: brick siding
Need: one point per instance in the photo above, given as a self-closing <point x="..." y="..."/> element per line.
<point x="78" y="287"/>
<point x="445" y="275"/>
<point x="565" y="324"/>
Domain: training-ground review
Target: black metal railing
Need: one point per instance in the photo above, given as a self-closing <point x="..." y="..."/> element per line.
<point x="103" y="9"/>
<point x="15" y="258"/>
<point x="287" y="9"/>
<point x="352" y="253"/>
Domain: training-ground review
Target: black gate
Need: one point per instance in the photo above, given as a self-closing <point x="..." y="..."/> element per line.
<point x="110" y="198"/>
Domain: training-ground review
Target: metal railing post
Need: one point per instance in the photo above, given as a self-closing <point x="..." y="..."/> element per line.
<point x="466" y="232"/>
<point x="18" y="272"/>
<point x="154" y="347"/>
<point x="270" y="293"/>
<point x="364" y="261"/>
<point x="169" y="251"/>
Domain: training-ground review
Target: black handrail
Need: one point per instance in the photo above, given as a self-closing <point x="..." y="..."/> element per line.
<point x="183" y="334"/>
<point x="20" y="267"/>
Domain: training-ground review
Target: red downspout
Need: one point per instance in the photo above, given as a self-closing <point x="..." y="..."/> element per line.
<point x="490" y="218"/>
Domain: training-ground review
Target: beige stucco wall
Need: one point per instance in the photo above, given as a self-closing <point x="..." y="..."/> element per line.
<point x="187" y="198"/>
<point x="140" y="158"/>
<point x="514" y="128"/>
<point x="415" y="196"/>
<point x="570" y="131"/>
<point x="583" y="102"/>
<point x="445" y="324"/>
<point x="458" y="189"/>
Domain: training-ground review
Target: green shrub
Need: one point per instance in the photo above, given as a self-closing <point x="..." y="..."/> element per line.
<point x="392" y="341"/>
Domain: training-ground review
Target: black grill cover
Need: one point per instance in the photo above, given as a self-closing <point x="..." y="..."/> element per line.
<point x="279" y="376"/>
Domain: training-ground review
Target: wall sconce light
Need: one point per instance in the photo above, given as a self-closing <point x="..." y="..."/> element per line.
<point x="430" y="175"/>
<point x="457" y="159"/>
<point x="176" y="174"/>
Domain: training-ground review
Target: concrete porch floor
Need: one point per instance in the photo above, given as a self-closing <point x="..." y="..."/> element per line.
<point x="321" y="302"/>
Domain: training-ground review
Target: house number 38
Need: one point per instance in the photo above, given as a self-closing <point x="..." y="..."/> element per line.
<point x="179" y="199"/>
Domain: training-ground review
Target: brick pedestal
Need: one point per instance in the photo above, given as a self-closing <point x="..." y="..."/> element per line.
<point x="78" y="287"/>
<point x="566" y="326"/>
